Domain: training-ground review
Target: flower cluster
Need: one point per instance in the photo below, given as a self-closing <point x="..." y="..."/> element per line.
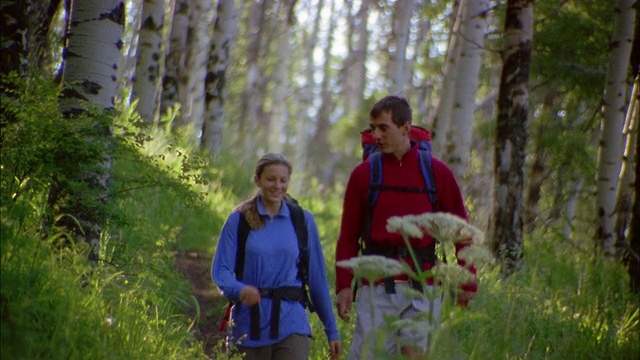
<point x="372" y="267"/>
<point x="442" y="226"/>
<point x="449" y="273"/>
<point x="478" y="255"/>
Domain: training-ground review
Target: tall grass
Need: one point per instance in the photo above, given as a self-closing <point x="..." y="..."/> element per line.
<point x="166" y="197"/>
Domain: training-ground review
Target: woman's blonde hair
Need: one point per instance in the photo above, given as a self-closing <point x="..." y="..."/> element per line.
<point x="249" y="207"/>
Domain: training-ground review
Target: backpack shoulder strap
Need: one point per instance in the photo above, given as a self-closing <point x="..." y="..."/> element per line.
<point x="375" y="182"/>
<point x="426" y="167"/>
<point x="243" y="234"/>
<point x="300" y="226"/>
<point x="375" y="159"/>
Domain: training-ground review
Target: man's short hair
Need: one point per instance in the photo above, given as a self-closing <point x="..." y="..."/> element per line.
<point x="397" y="105"/>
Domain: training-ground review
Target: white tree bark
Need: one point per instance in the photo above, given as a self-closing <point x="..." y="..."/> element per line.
<point x="306" y="97"/>
<point x="420" y="40"/>
<point x="279" y="111"/>
<point x="224" y="33"/>
<point x="511" y="136"/>
<point x="401" y="24"/>
<point x="442" y="120"/>
<point x="94" y="55"/>
<point x="173" y="83"/>
<point x="319" y="144"/>
<point x="147" y="83"/>
<point x="252" y="92"/>
<point x="464" y="104"/>
<point x="610" y="151"/>
<point x="626" y="180"/>
<point x="353" y="77"/>
<point x="193" y="102"/>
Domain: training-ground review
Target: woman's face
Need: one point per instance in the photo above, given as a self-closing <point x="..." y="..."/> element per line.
<point x="273" y="183"/>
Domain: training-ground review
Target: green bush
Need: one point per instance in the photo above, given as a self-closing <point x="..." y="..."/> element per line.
<point x="55" y="302"/>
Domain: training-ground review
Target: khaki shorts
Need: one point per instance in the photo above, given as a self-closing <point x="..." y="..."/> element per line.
<point x="372" y="334"/>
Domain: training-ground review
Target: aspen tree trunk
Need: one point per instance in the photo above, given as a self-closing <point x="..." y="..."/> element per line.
<point x="279" y="112"/>
<point x="511" y="136"/>
<point x="575" y="186"/>
<point x="14" y="23"/>
<point x="173" y="84"/>
<point x="253" y="91"/>
<point x="633" y="258"/>
<point x="91" y="64"/>
<point x="304" y="120"/>
<point x="93" y="55"/>
<point x="626" y="180"/>
<point x="401" y="24"/>
<point x="610" y="150"/>
<point x="224" y="33"/>
<point x="353" y="74"/>
<point x="127" y="69"/>
<point x="38" y="47"/>
<point x="634" y="233"/>
<point x="147" y="83"/>
<point x="442" y="121"/>
<point x="466" y="87"/>
<point x="319" y="144"/>
<point x="419" y="42"/>
<point x="192" y="100"/>
<point x="26" y="26"/>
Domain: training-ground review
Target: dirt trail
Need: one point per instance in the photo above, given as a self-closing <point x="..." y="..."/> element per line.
<point x="197" y="268"/>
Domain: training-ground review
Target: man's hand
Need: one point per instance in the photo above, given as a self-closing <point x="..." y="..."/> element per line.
<point x="335" y="349"/>
<point x="250" y="295"/>
<point x="464" y="297"/>
<point x="344" y="299"/>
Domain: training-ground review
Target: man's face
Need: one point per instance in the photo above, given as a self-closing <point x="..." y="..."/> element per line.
<point x="390" y="138"/>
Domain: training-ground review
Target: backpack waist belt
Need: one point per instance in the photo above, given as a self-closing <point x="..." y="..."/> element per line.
<point x="290" y="293"/>
<point x="425" y="254"/>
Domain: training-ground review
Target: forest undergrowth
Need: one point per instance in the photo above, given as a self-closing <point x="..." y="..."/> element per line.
<point x="166" y="206"/>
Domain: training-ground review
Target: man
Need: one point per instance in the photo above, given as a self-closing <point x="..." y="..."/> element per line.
<point x="390" y="123"/>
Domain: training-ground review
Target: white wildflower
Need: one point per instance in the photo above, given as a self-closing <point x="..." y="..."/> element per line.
<point x="448" y="227"/>
<point x="418" y="323"/>
<point x="109" y="321"/>
<point x="404" y="225"/>
<point x="452" y="274"/>
<point x="476" y="254"/>
<point x="372" y="266"/>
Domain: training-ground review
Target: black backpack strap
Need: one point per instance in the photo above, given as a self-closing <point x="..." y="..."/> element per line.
<point x="243" y="234"/>
<point x="300" y="226"/>
<point x="375" y="185"/>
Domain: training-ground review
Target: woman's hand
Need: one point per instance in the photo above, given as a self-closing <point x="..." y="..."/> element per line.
<point x="250" y="295"/>
<point x="335" y="349"/>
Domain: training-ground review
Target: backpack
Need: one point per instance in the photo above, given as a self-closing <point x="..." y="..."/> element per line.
<point x="371" y="153"/>
<point x="300" y="227"/>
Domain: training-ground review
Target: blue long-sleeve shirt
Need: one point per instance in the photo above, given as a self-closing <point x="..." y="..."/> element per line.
<point x="271" y="256"/>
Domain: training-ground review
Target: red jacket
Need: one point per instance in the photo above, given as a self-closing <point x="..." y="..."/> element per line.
<point x="405" y="173"/>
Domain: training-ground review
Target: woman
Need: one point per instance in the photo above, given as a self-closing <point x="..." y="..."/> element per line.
<point x="271" y="265"/>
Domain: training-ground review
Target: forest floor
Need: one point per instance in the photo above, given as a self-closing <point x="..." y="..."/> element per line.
<point x="197" y="268"/>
